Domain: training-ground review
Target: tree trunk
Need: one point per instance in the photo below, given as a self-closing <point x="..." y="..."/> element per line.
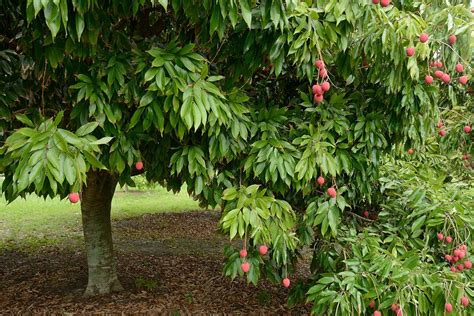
<point x="96" y="202"/>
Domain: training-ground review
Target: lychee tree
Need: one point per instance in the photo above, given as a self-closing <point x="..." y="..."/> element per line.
<point x="287" y="114"/>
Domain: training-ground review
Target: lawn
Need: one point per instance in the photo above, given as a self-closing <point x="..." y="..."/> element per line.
<point x="34" y="221"/>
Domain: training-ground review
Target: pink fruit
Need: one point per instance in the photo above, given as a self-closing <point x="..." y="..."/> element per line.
<point x="372" y="304"/>
<point x="439" y="74"/>
<point x="455" y="259"/>
<point x="448" y="239"/>
<point x="317" y="89"/>
<point x="459" y="68"/>
<point x="463" y="247"/>
<point x="263" y="250"/>
<point x="457" y="253"/>
<point x="440" y="124"/>
<point x="323" y="73"/>
<point x="439" y="64"/>
<point x="73" y="197"/>
<point x="366" y="214"/>
<point x="286" y="282"/>
<point x="442" y="133"/>
<point x="410" y="51"/>
<point x="428" y="79"/>
<point x="462" y="254"/>
<point x="318" y="98"/>
<point x="375" y="1"/>
<point x="319" y="64"/>
<point x="245" y="267"/>
<point x="462" y="80"/>
<point x="243" y="253"/>
<point x="325" y="86"/>
<point x="399" y="312"/>
<point x="385" y="3"/>
<point x="446" y="78"/>
<point x="448" y="307"/>
<point x="377" y="313"/>
<point x="464" y="301"/>
<point x="467" y="129"/>
<point x="332" y="192"/>
<point x="460" y="267"/>
<point x="468" y="264"/>
<point x="453" y="269"/>
<point x="465" y="157"/>
<point x="448" y="258"/>
<point x="139" y="165"/>
<point x="320" y="180"/>
<point x="452" y="39"/>
<point x="440" y="236"/>
<point x="394" y="307"/>
<point x="411" y="151"/>
<point x="424" y="37"/>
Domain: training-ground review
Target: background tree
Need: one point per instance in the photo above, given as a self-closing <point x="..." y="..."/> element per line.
<point x="221" y="95"/>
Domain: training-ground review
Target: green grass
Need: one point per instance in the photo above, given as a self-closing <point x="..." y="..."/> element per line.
<point x="33" y="222"/>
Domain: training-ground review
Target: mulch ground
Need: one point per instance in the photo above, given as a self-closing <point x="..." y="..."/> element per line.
<point x="168" y="264"/>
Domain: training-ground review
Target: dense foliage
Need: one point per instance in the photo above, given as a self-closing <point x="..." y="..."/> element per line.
<point x="218" y="95"/>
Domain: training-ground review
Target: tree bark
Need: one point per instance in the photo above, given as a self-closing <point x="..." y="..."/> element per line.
<point x="96" y="202"/>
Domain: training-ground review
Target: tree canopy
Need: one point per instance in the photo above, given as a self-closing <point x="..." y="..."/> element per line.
<point x="225" y="97"/>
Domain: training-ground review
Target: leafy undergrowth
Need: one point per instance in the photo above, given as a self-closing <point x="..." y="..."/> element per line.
<point x="168" y="263"/>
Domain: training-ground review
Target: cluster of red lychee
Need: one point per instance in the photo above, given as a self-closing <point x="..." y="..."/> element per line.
<point x="467" y="129"/>
<point x="448" y="307"/>
<point x="245" y="266"/>
<point x="383" y="3"/>
<point x="457" y="256"/>
<point x="445" y="77"/>
<point x="330" y="191"/>
<point x="320" y="89"/>
<point x="395" y="308"/>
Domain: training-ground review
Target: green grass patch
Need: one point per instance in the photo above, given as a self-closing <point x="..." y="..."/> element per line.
<point x="34" y="221"/>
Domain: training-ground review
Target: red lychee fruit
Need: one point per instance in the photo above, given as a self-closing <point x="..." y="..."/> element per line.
<point x="448" y="258"/>
<point x="385" y="3"/>
<point x="446" y="78"/>
<point x="452" y="39"/>
<point x="320" y="180"/>
<point x="467" y="129"/>
<point x="459" y="68"/>
<point x="464" y="301"/>
<point x="463" y="80"/>
<point x="139" y="165"/>
<point x="463" y="247"/>
<point x="323" y="73"/>
<point x="332" y="192"/>
<point x="366" y="214"/>
<point x="245" y="267"/>
<point x="411" y="151"/>
<point x="462" y="254"/>
<point x="410" y="51"/>
<point x="448" y="307"/>
<point x="319" y="64"/>
<point x="460" y="267"/>
<point x="442" y="133"/>
<point x="73" y="197"/>
<point x="317" y="89"/>
<point x="318" y="98"/>
<point x="377" y="313"/>
<point x="428" y="79"/>
<point x="394" y="307"/>
<point x="286" y="282"/>
<point x="468" y="264"/>
<point x="457" y="252"/>
<point x="448" y="239"/>
<point x="372" y="304"/>
<point x="439" y="74"/>
<point x="465" y="157"/>
<point x="440" y="236"/>
<point x="455" y="259"/>
<point x="243" y="253"/>
<point x="453" y="269"/>
<point x="325" y="86"/>
<point x="263" y="250"/>
<point x="375" y="1"/>
<point x="440" y="124"/>
<point x="424" y="37"/>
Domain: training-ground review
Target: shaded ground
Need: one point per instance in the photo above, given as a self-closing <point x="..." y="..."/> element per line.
<point x="168" y="263"/>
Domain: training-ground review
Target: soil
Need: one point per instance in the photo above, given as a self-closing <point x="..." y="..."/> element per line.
<point x="167" y="263"/>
